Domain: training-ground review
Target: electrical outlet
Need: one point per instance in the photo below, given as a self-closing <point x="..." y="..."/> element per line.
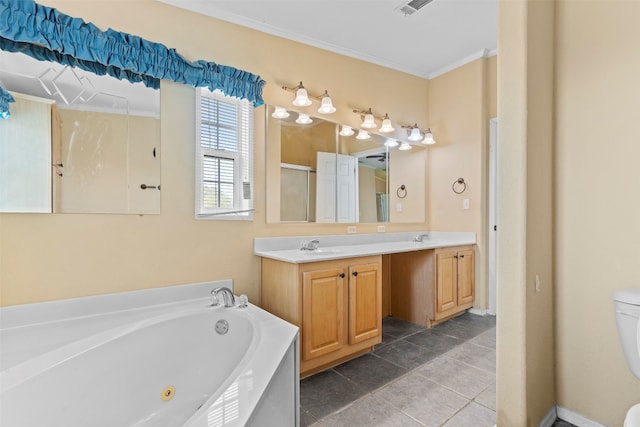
<point x="351" y="229"/>
<point x="381" y="229"/>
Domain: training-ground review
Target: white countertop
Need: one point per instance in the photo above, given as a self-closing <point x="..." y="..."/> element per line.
<point x="356" y="245"/>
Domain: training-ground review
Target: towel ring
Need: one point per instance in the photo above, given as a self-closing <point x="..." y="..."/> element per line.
<point x="459" y="186"/>
<point x="401" y="192"/>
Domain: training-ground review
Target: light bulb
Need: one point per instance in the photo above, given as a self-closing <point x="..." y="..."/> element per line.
<point x="304" y="119"/>
<point x="280" y="113"/>
<point x="428" y="138"/>
<point x="346" y="131"/>
<point x="302" y="99"/>
<point x="391" y="143"/>
<point x="386" y="125"/>
<point x="415" y="135"/>
<point x="326" y="106"/>
<point x="405" y="146"/>
<point x="369" y="122"/>
<point x="363" y="134"/>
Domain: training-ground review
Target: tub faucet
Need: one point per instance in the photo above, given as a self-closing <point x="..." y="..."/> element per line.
<point x="309" y="246"/>
<point x="420" y="237"/>
<point x="227" y="296"/>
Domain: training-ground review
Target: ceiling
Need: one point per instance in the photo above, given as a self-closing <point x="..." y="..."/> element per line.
<point x="438" y="37"/>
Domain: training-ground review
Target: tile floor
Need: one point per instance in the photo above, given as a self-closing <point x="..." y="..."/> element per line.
<point x="444" y="376"/>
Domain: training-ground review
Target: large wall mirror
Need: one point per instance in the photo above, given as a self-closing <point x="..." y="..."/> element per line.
<point x="77" y="142"/>
<point x="315" y="174"/>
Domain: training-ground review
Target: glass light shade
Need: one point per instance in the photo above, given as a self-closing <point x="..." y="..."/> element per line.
<point x="326" y="106"/>
<point x="363" y="134"/>
<point x="391" y="143"/>
<point x="302" y="99"/>
<point x="368" y="122"/>
<point x="405" y="146"/>
<point x="304" y="119"/>
<point x="280" y="113"/>
<point x="386" y="126"/>
<point x="346" y="131"/>
<point x="428" y="138"/>
<point x="415" y="135"/>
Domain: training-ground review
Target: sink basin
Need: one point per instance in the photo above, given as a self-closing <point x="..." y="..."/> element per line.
<point x="322" y="252"/>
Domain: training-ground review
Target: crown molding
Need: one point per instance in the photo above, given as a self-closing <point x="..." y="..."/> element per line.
<point x="484" y="53"/>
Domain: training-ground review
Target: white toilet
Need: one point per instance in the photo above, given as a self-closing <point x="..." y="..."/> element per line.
<point x="627" y="306"/>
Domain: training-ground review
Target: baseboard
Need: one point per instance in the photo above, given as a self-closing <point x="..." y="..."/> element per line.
<point x="480" y="312"/>
<point x="550" y="418"/>
<point x="576" y="419"/>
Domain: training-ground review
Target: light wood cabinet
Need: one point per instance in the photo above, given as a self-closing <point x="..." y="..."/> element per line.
<point x="431" y="286"/>
<point x="336" y="304"/>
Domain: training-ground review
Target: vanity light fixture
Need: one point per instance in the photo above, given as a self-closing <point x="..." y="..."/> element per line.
<point x="390" y="143"/>
<point x="413" y="133"/>
<point x="346" y="130"/>
<point x="386" y="124"/>
<point x="280" y="113"/>
<point x="368" y="122"/>
<point x="428" y="137"/>
<point x="326" y="105"/>
<point x="405" y="146"/>
<point x="304" y="119"/>
<point x="363" y="134"/>
<point x="303" y="99"/>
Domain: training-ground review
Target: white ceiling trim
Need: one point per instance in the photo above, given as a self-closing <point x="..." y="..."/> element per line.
<point x="264" y="27"/>
<point x="484" y="53"/>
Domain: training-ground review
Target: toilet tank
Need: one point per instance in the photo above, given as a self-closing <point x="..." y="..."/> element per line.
<point x="627" y="309"/>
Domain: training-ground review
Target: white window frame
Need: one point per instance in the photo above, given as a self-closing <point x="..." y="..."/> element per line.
<point x="243" y="164"/>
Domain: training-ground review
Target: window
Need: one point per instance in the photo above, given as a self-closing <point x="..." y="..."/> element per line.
<point x="224" y="156"/>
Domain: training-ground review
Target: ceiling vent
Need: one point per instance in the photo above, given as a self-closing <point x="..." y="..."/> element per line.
<point x="412" y="7"/>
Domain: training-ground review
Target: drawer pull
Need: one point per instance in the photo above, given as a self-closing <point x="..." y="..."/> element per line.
<point x="461" y="256"/>
<point x="355" y="274"/>
<point x="342" y="275"/>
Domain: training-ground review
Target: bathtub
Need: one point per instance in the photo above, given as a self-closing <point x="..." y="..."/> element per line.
<point x="163" y="361"/>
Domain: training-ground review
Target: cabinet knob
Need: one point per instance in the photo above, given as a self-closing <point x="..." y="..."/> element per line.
<point x="455" y="256"/>
<point x="342" y="275"/>
<point x="461" y="256"/>
<point x="355" y="273"/>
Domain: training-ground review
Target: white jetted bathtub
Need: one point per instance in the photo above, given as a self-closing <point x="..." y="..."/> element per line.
<point x="137" y="359"/>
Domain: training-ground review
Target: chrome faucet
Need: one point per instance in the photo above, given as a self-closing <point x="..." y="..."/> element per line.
<point x="227" y="296"/>
<point x="419" y="238"/>
<point x="309" y="246"/>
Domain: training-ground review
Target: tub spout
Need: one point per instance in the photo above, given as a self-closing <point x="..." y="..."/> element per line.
<point x="227" y="296"/>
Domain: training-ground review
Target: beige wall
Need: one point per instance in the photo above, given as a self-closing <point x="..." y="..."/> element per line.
<point x="597" y="203"/>
<point x="567" y="164"/>
<point x="511" y="390"/>
<point x="48" y="257"/>
<point x="460" y="104"/>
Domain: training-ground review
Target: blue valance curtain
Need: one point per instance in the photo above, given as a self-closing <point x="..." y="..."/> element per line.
<point x="46" y="34"/>
<point x="5" y="99"/>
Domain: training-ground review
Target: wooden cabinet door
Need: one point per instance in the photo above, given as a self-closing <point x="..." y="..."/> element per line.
<point x="365" y="302"/>
<point x="446" y="281"/>
<point x="323" y="312"/>
<point x="466" y="276"/>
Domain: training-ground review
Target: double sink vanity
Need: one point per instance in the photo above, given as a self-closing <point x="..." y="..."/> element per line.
<point x="338" y="288"/>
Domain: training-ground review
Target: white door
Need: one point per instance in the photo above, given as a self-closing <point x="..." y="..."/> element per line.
<point x="493" y="220"/>
<point x="347" y="176"/>
<point x="326" y="187"/>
